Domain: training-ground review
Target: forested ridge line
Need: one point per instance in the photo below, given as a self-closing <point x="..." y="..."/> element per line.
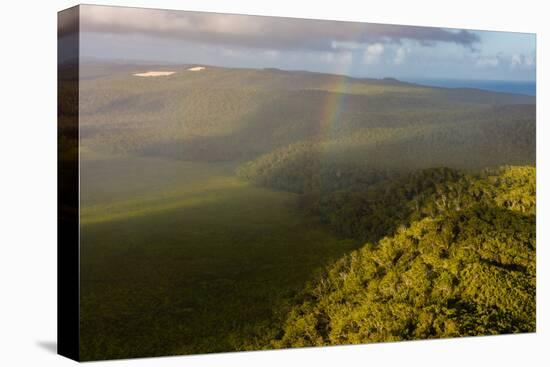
<point x="447" y="253"/>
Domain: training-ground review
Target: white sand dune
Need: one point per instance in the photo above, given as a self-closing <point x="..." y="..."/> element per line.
<point x="196" y="68"/>
<point x="155" y="73"/>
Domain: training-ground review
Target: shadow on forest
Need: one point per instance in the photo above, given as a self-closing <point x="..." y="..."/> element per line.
<point x="209" y="278"/>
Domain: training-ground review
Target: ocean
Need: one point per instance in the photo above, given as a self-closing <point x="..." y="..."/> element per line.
<point x="519" y="87"/>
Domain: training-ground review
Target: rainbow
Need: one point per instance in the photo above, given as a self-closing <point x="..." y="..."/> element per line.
<point x="328" y="118"/>
<point x="331" y="107"/>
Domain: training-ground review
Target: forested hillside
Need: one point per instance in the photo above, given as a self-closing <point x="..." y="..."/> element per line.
<point x="458" y="259"/>
<point x="367" y="154"/>
<point x="220" y="114"/>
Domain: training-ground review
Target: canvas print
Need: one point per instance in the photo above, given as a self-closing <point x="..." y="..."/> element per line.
<point x="238" y="182"/>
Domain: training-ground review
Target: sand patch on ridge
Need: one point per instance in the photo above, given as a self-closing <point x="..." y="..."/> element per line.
<point x="155" y="73"/>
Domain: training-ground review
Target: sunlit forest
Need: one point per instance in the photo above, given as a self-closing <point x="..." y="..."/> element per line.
<point x="239" y="209"/>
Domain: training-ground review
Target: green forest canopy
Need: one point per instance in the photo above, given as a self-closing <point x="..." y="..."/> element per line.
<point x="458" y="260"/>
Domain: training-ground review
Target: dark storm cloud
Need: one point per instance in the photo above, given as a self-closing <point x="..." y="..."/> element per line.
<point x="259" y="31"/>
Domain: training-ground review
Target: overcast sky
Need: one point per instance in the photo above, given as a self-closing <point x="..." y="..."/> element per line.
<point x="357" y="49"/>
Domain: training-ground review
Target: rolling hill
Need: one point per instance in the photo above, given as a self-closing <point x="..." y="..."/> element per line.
<point x="237" y="114"/>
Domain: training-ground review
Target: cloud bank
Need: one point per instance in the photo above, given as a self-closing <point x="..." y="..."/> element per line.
<point x="273" y="33"/>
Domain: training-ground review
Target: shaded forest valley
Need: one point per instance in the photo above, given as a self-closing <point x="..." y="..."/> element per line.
<point x="240" y="209"/>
